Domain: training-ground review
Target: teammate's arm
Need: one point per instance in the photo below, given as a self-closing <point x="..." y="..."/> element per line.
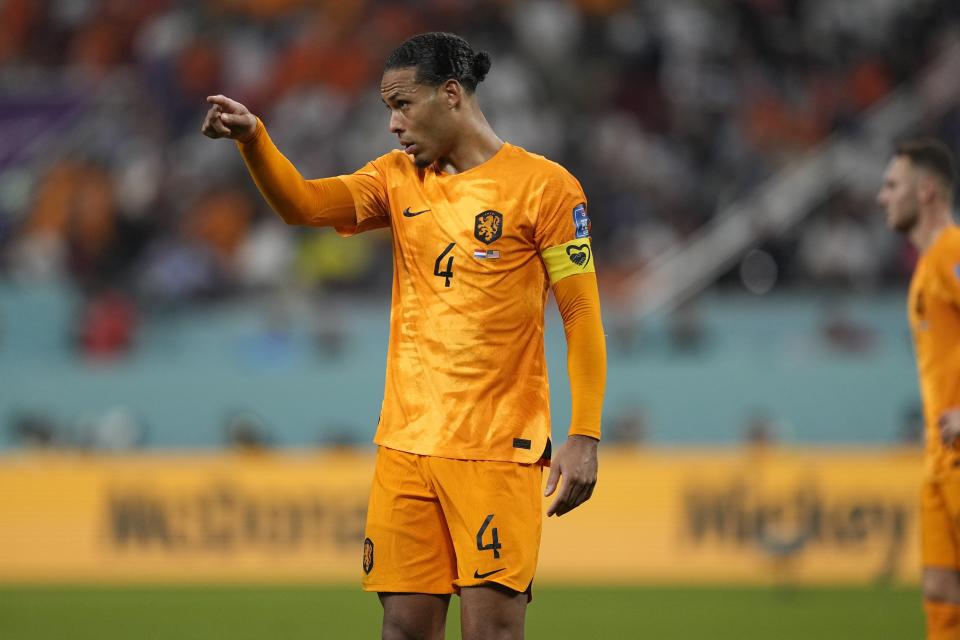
<point x="576" y="461"/>
<point x="324" y="202"/>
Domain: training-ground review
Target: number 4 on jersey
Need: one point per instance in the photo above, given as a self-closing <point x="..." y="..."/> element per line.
<point x="448" y="272"/>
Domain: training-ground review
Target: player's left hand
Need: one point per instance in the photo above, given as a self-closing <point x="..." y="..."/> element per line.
<point x="576" y="463"/>
<point x="950" y="426"/>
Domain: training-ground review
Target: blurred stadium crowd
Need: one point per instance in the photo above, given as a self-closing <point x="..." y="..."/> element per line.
<point x="665" y="110"/>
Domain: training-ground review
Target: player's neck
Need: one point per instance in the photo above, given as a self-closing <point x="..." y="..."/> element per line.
<point x="477" y="144"/>
<point x="929" y="228"/>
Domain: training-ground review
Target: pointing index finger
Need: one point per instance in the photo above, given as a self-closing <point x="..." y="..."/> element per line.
<point x="225" y="103"/>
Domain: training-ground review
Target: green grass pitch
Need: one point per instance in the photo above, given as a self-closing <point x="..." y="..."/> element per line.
<point x="558" y="613"/>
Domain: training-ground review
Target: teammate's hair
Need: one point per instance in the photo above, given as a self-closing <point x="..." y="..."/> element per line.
<point x="932" y="156"/>
<point x="438" y="57"/>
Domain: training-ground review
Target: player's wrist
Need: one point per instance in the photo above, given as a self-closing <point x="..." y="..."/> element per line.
<point x="251" y="136"/>
<point x="589" y="437"/>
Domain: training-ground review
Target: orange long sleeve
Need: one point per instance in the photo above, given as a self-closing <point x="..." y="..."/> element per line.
<point x="579" y="303"/>
<point x="326" y="202"/>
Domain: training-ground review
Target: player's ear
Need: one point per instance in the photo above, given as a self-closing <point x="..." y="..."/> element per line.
<point x="451" y="92"/>
<point x="927" y="187"/>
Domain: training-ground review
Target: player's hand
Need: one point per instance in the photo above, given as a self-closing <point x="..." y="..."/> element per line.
<point x="950" y="426"/>
<point x="228" y="119"/>
<point x="576" y="463"/>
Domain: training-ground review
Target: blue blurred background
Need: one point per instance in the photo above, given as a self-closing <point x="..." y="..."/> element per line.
<point x="730" y="152"/>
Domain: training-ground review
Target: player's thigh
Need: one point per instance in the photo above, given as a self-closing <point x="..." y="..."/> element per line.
<point x="940" y="535"/>
<point x="493" y="512"/>
<point x="407" y="547"/>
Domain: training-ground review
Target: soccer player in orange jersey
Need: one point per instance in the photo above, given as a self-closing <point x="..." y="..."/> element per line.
<point x="481" y="229"/>
<point x="917" y="194"/>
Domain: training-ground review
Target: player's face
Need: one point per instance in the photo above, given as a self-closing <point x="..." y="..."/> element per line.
<point x="418" y="115"/>
<point x="898" y="195"/>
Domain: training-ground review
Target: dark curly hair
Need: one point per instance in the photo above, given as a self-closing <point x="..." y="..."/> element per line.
<point x="931" y="155"/>
<point x="440" y="56"/>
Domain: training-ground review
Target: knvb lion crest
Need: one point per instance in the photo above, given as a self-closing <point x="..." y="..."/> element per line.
<point x="488" y="226"/>
<point x="367" y="555"/>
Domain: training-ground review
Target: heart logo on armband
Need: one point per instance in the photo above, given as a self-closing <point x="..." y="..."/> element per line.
<point x="579" y="254"/>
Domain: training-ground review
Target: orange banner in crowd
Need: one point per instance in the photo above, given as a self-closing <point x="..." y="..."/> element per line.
<point x="808" y="516"/>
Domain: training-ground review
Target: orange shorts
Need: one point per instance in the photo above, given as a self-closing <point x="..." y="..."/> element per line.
<point x="940" y="521"/>
<point x="435" y="525"/>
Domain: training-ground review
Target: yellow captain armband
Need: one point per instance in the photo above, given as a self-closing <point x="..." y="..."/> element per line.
<point x="568" y="259"/>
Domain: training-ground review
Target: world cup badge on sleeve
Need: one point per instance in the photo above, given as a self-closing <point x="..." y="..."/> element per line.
<point x="580" y="221"/>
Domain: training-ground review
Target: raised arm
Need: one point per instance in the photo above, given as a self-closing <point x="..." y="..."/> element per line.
<point x="326" y="202"/>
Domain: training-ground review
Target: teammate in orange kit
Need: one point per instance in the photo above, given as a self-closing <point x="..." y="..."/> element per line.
<point x="917" y="194"/>
<point x="481" y="229"/>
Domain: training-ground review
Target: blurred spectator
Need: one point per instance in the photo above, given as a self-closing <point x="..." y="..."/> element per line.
<point x="686" y="329"/>
<point x="630" y="427"/>
<point x="841" y="333"/>
<point x="71" y="225"/>
<point x="912" y="425"/>
<point x="245" y="432"/>
<point x="107" y="326"/>
<point x="33" y="430"/>
<point x="760" y="430"/>
<point x="330" y="331"/>
<point x="340" y="437"/>
<point x="842" y="247"/>
<point x="117" y="429"/>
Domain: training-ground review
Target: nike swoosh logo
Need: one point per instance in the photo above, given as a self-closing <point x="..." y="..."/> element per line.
<point x="481" y="576"/>
<point x="409" y="214"/>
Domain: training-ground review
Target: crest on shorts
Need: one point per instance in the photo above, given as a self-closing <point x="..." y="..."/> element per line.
<point x="488" y="226"/>
<point x="367" y="555"/>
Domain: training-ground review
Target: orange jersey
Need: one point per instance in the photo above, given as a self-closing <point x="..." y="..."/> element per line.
<point x="934" y="312"/>
<point x="474" y="254"/>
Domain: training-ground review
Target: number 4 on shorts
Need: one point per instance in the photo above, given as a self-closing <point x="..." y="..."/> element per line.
<point x="494" y="544"/>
